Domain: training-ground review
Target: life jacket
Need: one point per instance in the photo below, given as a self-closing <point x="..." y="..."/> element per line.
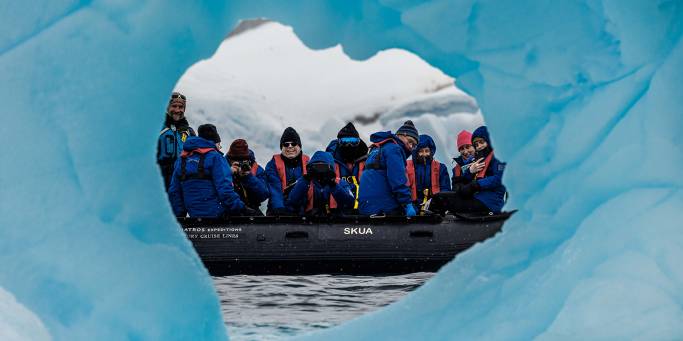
<point x="354" y="181"/>
<point x="435" y="170"/>
<point x="171" y="143"/>
<point x="254" y="168"/>
<point x="330" y="205"/>
<point x="377" y="164"/>
<point x="201" y="175"/>
<point x="457" y="170"/>
<point x="487" y="162"/>
<point x="281" y="169"/>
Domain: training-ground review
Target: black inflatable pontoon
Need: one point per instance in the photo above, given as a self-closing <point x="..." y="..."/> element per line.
<point x="349" y="245"/>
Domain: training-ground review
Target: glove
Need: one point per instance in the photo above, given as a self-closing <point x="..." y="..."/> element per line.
<point x="250" y="212"/>
<point x="410" y="210"/>
<point x="469" y="189"/>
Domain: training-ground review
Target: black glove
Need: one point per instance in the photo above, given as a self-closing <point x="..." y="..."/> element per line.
<point x="469" y="189"/>
<point x="250" y="212"/>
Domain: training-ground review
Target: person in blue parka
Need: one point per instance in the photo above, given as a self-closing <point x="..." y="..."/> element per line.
<point x="349" y="152"/>
<point x="201" y="185"/>
<point x="172" y="136"/>
<point x="426" y="174"/>
<point x="248" y="177"/>
<point x="283" y="170"/>
<point x="486" y="192"/>
<point x="320" y="191"/>
<point x="384" y="187"/>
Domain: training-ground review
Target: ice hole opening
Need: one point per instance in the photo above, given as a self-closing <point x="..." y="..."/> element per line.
<point x="262" y="79"/>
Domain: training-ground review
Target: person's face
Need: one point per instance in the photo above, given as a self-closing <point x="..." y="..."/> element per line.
<point x="176" y="110"/>
<point x="290" y="150"/>
<point x="408" y="141"/>
<point x="424" y="152"/>
<point x="466" y="151"/>
<point x="479" y="143"/>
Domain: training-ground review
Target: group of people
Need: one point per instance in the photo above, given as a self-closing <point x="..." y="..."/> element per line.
<point x="350" y="177"/>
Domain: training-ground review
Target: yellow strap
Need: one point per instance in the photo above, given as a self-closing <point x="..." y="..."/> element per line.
<point x="425" y="193"/>
<point x="355" y="183"/>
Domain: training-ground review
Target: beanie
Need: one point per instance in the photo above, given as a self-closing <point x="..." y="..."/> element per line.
<point x="464" y="137"/>
<point x="408" y="129"/>
<point x="290" y="135"/>
<point x="349" y="130"/>
<point x="208" y="131"/>
<point x="239" y="150"/>
<point x="482" y="132"/>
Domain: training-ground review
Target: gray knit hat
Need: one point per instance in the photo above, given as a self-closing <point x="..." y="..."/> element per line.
<point x="408" y="129"/>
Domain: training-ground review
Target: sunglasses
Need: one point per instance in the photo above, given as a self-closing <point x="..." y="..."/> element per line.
<point x="290" y="144"/>
<point x="349" y="141"/>
<point x="178" y="95"/>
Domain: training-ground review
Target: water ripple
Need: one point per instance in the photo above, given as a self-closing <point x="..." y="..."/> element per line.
<point x="272" y="307"/>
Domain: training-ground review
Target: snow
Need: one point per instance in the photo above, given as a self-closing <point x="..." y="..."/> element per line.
<point x="582" y="98"/>
<point x="265" y="79"/>
<point x="17" y="322"/>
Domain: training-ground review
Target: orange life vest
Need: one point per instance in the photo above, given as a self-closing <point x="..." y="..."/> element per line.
<point x="487" y="161"/>
<point x="309" y="205"/>
<point x="200" y="167"/>
<point x="280" y="167"/>
<point x="457" y="170"/>
<point x="410" y="172"/>
<point x="254" y="168"/>
<point x="361" y="168"/>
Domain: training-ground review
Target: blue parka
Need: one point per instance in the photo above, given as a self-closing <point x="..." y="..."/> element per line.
<point x="211" y="196"/>
<point x="277" y="199"/>
<point x="298" y="198"/>
<point x="383" y="185"/>
<point x="491" y="189"/>
<point x="465" y="176"/>
<point x="423" y="172"/>
<point x="252" y="189"/>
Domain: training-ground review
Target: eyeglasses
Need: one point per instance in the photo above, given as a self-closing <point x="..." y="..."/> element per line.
<point x="349" y="141"/>
<point x="290" y="144"/>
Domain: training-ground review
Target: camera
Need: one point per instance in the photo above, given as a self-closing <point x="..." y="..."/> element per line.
<point x="245" y="166"/>
<point x="322" y="172"/>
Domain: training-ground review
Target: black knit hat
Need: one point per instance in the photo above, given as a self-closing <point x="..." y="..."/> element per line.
<point x="349" y="130"/>
<point x="408" y="129"/>
<point x="208" y="131"/>
<point x="290" y="135"/>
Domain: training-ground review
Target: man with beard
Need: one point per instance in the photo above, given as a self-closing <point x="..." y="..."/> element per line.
<point x="384" y="185"/>
<point x="283" y="170"/>
<point x="426" y="175"/>
<point x="349" y="153"/>
<point x="174" y="133"/>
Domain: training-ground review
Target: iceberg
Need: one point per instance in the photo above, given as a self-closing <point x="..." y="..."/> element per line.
<point x="582" y="97"/>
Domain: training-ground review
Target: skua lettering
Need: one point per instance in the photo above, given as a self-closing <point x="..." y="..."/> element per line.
<point x="357" y="230"/>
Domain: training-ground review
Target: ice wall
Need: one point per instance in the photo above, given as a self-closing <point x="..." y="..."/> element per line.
<point x="583" y="99"/>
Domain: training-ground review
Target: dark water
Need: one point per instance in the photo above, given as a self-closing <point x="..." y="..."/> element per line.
<point x="272" y="307"/>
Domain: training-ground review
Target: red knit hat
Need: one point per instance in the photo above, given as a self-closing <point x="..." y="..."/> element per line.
<point x="239" y="150"/>
<point x="464" y="137"/>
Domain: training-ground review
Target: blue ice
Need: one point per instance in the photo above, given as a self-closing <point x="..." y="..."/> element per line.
<point x="583" y="99"/>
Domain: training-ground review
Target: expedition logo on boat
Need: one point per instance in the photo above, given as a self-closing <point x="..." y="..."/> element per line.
<point x="357" y="230"/>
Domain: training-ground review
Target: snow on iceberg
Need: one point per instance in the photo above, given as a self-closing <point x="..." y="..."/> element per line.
<point x="264" y="79"/>
<point x="582" y="97"/>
